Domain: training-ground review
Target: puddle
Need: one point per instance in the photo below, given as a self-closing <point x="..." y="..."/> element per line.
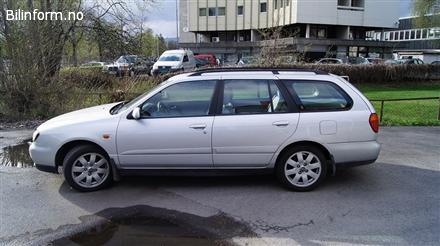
<point x="144" y="225"/>
<point x="16" y="156"/>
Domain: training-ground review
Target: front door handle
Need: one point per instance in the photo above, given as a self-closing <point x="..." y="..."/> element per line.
<point x="280" y="123"/>
<point x="198" y="126"/>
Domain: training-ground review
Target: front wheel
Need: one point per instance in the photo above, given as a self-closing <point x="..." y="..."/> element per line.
<point x="302" y="168"/>
<point x="87" y="168"/>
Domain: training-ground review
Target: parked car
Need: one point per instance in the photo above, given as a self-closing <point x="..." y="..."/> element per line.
<point x="142" y="65"/>
<point x="410" y="61"/>
<point x="212" y="60"/>
<point x="200" y="62"/>
<point x="375" y="60"/>
<point x="300" y="124"/>
<point x="356" y="60"/>
<point x="174" y="61"/>
<point x="121" y="66"/>
<point x="391" y="62"/>
<point x="329" y="61"/>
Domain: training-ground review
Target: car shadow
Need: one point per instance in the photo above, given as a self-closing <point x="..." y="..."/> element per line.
<point x="379" y="193"/>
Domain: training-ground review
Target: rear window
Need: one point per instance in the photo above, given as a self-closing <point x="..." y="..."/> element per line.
<point x="319" y="96"/>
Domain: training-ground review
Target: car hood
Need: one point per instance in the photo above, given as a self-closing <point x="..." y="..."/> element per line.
<point x="79" y="116"/>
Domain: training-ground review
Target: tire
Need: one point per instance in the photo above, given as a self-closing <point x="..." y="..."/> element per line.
<point x="302" y="168"/>
<point x="87" y="168"/>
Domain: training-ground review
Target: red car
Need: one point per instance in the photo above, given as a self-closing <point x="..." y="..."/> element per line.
<point x="210" y="57"/>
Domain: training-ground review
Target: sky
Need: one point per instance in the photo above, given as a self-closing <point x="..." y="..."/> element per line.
<point x="162" y="18"/>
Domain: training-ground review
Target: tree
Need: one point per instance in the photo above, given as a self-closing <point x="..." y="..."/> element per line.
<point x="428" y="12"/>
<point x="34" y="49"/>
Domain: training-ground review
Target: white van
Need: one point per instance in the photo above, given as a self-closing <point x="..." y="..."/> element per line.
<point x="173" y="61"/>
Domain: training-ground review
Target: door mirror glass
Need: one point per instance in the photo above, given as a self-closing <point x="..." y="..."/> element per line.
<point x="185" y="58"/>
<point x="136" y="113"/>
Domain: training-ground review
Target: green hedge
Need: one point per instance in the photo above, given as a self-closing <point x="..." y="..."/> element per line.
<point x="378" y="73"/>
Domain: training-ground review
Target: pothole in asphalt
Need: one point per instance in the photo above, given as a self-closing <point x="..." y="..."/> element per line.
<point x="16" y="156"/>
<point x="144" y="225"/>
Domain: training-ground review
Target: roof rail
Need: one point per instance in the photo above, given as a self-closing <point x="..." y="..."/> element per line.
<point x="255" y="69"/>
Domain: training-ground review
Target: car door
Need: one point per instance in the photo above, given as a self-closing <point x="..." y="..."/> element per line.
<point x="252" y="121"/>
<point x="174" y="129"/>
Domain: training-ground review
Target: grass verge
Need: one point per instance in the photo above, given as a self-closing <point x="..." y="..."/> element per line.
<point x="409" y="112"/>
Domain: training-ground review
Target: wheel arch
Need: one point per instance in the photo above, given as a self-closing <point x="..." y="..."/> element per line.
<point x="66" y="147"/>
<point x="321" y="147"/>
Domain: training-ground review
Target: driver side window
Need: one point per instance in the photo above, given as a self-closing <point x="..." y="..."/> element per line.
<point x="180" y="100"/>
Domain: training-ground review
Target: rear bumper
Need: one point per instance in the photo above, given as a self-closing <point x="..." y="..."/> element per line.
<point x="355" y="153"/>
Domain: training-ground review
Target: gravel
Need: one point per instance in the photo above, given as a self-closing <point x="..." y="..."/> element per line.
<point x="23" y="124"/>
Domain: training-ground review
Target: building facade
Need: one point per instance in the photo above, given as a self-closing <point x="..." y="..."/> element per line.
<point x="414" y="41"/>
<point x="316" y="27"/>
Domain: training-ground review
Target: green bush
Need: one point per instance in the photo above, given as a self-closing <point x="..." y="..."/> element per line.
<point x="87" y="78"/>
<point x="376" y="74"/>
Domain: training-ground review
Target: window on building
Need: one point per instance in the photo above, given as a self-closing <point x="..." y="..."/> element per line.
<point x="357" y="3"/>
<point x="202" y="11"/>
<point x="239" y="10"/>
<point x="434" y="33"/>
<point x="424" y="33"/>
<point x="353" y="51"/>
<point x="343" y="3"/>
<point x="318" y="32"/>
<point x="401" y="35"/>
<point x="221" y="11"/>
<point x="211" y="12"/>
<point x="413" y="34"/>
<point x="263" y="7"/>
<point x="418" y="34"/>
<point x="391" y="35"/>
<point x="406" y="35"/>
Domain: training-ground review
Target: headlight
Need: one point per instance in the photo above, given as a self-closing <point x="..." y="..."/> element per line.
<point x="35" y="135"/>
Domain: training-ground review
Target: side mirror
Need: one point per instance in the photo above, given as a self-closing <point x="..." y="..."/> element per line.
<point x="136" y="113"/>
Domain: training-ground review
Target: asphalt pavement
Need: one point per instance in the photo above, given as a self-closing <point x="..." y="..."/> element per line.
<point x="395" y="201"/>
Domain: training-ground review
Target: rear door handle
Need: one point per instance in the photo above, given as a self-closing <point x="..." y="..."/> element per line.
<point x="280" y="123"/>
<point x="198" y="126"/>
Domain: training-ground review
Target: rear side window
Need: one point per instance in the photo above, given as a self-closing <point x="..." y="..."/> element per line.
<point x="252" y="97"/>
<point x="319" y="96"/>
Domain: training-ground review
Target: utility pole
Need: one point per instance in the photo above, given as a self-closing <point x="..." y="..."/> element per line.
<point x="177" y="23"/>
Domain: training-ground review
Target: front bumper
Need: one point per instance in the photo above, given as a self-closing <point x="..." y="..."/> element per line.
<point x="43" y="157"/>
<point x="159" y="71"/>
<point x="48" y="169"/>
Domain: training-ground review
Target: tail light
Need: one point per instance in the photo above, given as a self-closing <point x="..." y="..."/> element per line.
<point x="374" y="122"/>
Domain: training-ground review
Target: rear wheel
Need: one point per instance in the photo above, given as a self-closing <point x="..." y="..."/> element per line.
<point x="87" y="168"/>
<point x="302" y="168"/>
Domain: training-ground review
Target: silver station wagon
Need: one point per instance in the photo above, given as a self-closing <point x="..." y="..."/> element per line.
<point x="299" y="124"/>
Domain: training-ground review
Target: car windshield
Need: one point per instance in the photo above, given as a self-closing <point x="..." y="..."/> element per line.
<point x="127" y="104"/>
<point x="126" y="59"/>
<point x="170" y="57"/>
